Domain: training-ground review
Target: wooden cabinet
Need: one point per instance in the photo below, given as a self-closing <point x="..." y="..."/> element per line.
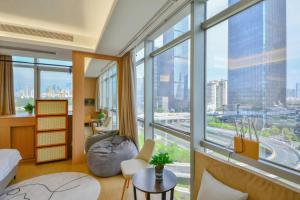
<point x="22" y="138"/>
<point x="51" y="130"/>
<point x="18" y="131"/>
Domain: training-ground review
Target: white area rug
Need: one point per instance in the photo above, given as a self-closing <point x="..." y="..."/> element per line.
<point x="59" y="186"/>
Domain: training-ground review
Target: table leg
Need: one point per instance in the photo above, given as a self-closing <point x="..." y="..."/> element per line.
<point x="148" y="196"/>
<point x="134" y="193"/>
<point x="172" y="194"/>
<point x="163" y="196"/>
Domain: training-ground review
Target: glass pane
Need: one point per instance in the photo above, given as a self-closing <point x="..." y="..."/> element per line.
<point x="23" y="59"/>
<point x="56" y="85"/>
<point x="213" y="7"/>
<point x="114" y="92"/>
<point x="54" y="62"/>
<point x="139" y="52"/>
<point x="115" y="123"/>
<point x="179" y="151"/>
<point x="140" y="90"/>
<point x="183" y="26"/>
<point x="253" y="74"/>
<point x="23" y="87"/>
<point x="141" y="136"/>
<point x="172" y="87"/>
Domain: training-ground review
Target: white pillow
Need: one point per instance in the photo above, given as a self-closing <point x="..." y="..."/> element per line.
<point x="212" y="189"/>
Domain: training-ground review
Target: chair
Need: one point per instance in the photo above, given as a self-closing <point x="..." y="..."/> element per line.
<point x="88" y="119"/>
<point x="106" y="126"/>
<point x="140" y="162"/>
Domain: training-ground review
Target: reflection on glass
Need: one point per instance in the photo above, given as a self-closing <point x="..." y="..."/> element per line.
<point x="172" y="87"/>
<point x="175" y="31"/>
<point x="215" y="6"/>
<point x="253" y="72"/>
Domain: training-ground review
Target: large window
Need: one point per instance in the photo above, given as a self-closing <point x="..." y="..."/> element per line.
<point x="109" y="93"/>
<point x="41" y="78"/>
<point x="252" y="72"/>
<point x="171" y="100"/>
<point x="172" y="87"/>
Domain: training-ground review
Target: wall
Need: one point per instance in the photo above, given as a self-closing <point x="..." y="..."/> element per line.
<point x="89" y="92"/>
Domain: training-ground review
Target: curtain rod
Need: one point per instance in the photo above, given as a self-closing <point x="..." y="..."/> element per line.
<point x="35" y="63"/>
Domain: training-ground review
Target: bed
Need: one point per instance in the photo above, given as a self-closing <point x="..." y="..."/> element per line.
<point x="9" y="159"/>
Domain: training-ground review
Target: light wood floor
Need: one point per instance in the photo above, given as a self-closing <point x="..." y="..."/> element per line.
<point x="111" y="188"/>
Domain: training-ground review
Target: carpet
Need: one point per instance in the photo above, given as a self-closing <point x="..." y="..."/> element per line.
<point x="58" y="186"/>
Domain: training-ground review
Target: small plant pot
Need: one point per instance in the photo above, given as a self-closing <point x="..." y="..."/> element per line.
<point x="159" y="173"/>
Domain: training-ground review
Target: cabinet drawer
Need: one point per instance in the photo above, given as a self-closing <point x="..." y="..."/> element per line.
<point x="46" y="154"/>
<point x="51" y="138"/>
<point x="51" y="123"/>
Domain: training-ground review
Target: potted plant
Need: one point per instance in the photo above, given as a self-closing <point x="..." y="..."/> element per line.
<point x="159" y="161"/>
<point x="29" y="108"/>
<point x="101" y="116"/>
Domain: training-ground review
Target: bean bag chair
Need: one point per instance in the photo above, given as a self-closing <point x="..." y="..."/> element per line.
<point x="104" y="157"/>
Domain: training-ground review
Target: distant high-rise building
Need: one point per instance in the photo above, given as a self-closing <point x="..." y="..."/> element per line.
<point x="216" y="94"/>
<point x="171" y="73"/>
<point x="257" y="56"/>
<point x="211" y="95"/>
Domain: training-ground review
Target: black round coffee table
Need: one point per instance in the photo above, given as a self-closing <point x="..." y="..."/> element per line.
<point x="145" y="182"/>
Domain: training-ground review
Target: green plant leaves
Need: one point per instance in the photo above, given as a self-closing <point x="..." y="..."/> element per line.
<point x="161" y="159"/>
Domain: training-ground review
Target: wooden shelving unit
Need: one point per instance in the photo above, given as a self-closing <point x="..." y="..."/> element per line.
<point x="51" y="130"/>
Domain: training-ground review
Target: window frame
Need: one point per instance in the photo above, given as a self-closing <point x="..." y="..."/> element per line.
<point x="261" y="164"/>
<point x="107" y="76"/>
<point x="150" y="52"/>
<point x="38" y="67"/>
<point x="177" y="41"/>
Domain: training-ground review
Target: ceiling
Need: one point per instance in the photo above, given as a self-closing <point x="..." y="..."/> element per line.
<point x="94" y="67"/>
<point x="101" y="26"/>
<point x="83" y="19"/>
<point x="129" y="16"/>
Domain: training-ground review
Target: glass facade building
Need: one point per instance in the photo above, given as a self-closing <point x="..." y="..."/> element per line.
<point x="257" y="56"/>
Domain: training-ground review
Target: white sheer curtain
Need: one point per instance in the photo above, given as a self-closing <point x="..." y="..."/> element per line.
<point x="97" y="95"/>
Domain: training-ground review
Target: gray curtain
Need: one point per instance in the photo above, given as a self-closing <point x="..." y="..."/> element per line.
<point x="7" y="101"/>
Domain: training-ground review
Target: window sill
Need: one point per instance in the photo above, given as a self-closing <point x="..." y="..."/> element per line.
<point x="270" y="171"/>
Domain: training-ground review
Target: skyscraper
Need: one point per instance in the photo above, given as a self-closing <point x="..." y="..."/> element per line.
<point x="216" y="94"/>
<point x="257" y="55"/>
<point x="171" y="73"/>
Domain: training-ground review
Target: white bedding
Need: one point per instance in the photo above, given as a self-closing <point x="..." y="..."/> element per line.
<point x="9" y="158"/>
